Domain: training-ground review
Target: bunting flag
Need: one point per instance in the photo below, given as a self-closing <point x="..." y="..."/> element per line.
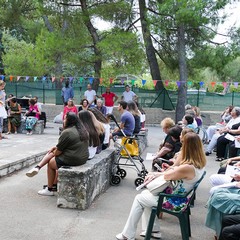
<point x="189" y="83"/>
<point x="27" y="78"/>
<point x="111" y="80"/>
<point x="144" y="82"/>
<point x="53" y="79"/>
<point x="178" y="83"/>
<point x="155" y="82"/>
<point x="91" y="80"/>
<point x="213" y="84"/>
<point x="133" y="81"/>
<point x="11" y="78"/>
<point x="3" y="77"/>
<point x="80" y="79"/>
<point x="224" y="84"/>
<point x="100" y="80"/>
<point x="235" y="84"/>
<point x="70" y="79"/>
<point x="166" y="82"/>
<point x="35" y="79"/>
<point x="43" y="78"/>
<point x="122" y="81"/>
<point x="18" y="78"/>
<point x="201" y="84"/>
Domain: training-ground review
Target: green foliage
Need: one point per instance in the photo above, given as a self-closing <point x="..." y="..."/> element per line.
<point x="234" y="89"/>
<point x="219" y="88"/>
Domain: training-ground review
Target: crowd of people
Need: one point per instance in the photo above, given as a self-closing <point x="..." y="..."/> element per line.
<point x="180" y="157"/>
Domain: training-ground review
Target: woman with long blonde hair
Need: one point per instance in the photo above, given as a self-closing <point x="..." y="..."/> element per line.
<point x="186" y="175"/>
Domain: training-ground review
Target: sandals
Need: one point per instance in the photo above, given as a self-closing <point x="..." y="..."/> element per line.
<point x="8" y="133"/>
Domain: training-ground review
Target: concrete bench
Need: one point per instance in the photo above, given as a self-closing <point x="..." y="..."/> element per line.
<point x="37" y="129"/>
<point x="79" y="186"/>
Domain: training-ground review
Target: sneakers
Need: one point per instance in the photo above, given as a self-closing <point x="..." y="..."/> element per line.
<point x="54" y="188"/>
<point x="45" y="192"/>
<point x="33" y="172"/>
<point x="121" y="237"/>
<point x="156" y="235"/>
<point x="207" y="153"/>
<point x="220" y="159"/>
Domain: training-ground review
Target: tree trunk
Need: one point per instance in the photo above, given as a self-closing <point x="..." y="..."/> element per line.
<point x="182" y="89"/>
<point x="1" y="53"/>
<point x="150" y="51"/>
<point x="95" y="40"/>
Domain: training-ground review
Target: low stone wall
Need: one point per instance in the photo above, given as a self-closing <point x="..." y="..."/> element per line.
<point x="12" y="167"/>
<point x="37" y="129"/>
<point x="79" y="186"/>
<point x="153" y="115"/>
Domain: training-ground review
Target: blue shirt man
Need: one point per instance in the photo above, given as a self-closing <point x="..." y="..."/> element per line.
<point x="67" y="92"/>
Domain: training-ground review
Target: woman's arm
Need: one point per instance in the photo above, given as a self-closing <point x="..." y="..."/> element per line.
<point x="57" y="152"/>
<point x="184" y="171"/>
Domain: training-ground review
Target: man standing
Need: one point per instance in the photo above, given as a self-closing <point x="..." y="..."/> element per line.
<point x="67" y="92"/>
<point x="127" y="124"/>
<point x="109" y="98"/>
<point x="129" y="95"/>
<point x="90" y="95"/>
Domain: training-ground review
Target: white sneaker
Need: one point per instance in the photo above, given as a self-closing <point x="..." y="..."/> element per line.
<point x="45" y="192"/>
<point x="32" y="172"/>
<point x="156" y="235"/>
<point x="120" y="237"/>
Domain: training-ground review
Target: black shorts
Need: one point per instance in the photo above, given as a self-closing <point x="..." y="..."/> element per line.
<point x="60" y="162"/>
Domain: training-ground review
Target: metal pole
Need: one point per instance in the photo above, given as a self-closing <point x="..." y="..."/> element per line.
<point x="232" y="97"/>
<point x="198" y="98"/>
<point x="16" y="90"/>
<point x="43" y="92"/>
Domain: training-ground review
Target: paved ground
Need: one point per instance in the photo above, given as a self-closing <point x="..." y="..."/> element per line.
<point x="25" y="215"/>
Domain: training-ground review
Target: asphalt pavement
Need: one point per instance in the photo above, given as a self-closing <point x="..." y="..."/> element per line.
<point x="25" y="215"/>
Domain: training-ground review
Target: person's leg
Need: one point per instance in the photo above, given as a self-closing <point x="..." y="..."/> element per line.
<point x="51" y="171"/>
<point x="230" y="227"/>
<point x="1" y="127"/>
<point x="140" y="203"/>
<point x="9" y="126"/>
<point x="219" y="179"/>
<point x="43" y="162"/>
<point x="210" y="132"/>
<point x="233" y="151"/>
<point x="222" y="143"/>
<point x="213" y="142"/>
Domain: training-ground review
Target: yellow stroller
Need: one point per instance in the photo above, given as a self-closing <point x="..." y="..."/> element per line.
<point x="127" y="155"/>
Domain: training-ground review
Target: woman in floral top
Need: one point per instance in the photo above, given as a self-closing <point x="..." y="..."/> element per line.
<point x="186" y="174"/>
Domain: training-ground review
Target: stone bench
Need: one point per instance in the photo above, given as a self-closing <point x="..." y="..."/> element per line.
<point x="79" y="186"/>
<point x="37" y="129"/>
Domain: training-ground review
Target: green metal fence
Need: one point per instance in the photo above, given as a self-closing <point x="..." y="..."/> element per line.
<point x="49" y="92"/>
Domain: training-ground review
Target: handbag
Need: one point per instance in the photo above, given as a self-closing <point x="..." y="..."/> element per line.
<point x="158" y="184"/>
<point x="131" y="146"/>
<point x="3" y="112"/>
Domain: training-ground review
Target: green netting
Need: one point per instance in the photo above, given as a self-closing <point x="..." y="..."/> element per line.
<point x="49" y="92"/>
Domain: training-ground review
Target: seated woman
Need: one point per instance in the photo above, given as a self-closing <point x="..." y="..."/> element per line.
<point x="105" y="122"/>
<point x="198" y="117"/>
<point x="71" y="150"/>
<point x="132" y="108"/>
<point x="188" y="122"/>
<point x="170" y="146"/>
<point x="187" y="174"/>
<point x="70" y="107"/>
<point x="14" y="117"/>
<point x="223" y="141"/>
<point x="84" y="105"/>
<point x="235" y="113"/>
<point x="95" y="130"/>
<point x="224" y="201"/>
<point x="33" y="115"/>
<point x="225" y="118"/>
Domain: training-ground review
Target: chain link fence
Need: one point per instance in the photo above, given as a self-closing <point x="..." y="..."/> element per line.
<point x="50" y="93"/>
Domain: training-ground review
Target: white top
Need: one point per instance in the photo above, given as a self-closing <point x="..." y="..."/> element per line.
<point x="107" y="133"/>
<point x="128" y="96"/>
<point x="89" y="95"/>
<point x="232" y="122"/>
<point x="92" y="151"/>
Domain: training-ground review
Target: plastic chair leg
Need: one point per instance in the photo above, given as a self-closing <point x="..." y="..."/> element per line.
<point x="184" y="227"/>
<point x="150" y="224"/>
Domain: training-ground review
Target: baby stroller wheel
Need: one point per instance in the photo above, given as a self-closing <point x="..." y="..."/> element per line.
<point x="122" y="173"/>
<point x="138" y="181"/>
<point x="144" y="173"/>
<point x="115" y="179"/>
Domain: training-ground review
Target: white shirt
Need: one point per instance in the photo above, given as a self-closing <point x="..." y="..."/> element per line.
<point x="232" y="122"/>
<point x="128" y="96"/>
<point x="89" y="95"/>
